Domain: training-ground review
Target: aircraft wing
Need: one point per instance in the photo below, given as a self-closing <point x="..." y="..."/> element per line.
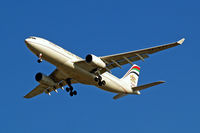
<point x="38" y="90"/>
<point x="57" y="77"/>
<point x="124" y="58"/>
<point x="83" y="64"/>
<point x="117" y="60"/>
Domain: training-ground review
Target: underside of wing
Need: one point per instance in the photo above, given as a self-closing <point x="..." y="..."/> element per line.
<point x="84" y="65"/>
<point x="38" y="90"/>
<point x="87" y="66"/>
<point x="117" y="60"/>
<point x="122" y="62"/>
<point x="57" y="77"/>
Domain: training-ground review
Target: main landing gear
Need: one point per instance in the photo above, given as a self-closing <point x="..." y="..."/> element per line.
<point x="70" y="88"/>
<point x="98" y="79"/>
<point x="40" y="58"/>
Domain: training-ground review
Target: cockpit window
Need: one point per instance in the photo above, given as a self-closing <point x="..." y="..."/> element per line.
<point x="32" y="37"/>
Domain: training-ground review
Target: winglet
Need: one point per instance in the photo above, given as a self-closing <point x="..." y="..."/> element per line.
<point x="181" y="41"/>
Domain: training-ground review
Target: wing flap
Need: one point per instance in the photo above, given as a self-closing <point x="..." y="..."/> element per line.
<point x="124" y="61"/>
<point x="58" y="77"/>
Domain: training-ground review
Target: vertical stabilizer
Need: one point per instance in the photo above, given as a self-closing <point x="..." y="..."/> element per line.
<point x="132" y="76"/>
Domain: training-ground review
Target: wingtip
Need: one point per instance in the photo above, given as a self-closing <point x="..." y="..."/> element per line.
<point x="181" y="41"/>
<point x="161" y="81"/>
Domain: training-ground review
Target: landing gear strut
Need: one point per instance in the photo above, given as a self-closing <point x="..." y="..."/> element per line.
<point x="70" y="88"/>
<point x="40" y="58"/>
<point x="98" y="79"/>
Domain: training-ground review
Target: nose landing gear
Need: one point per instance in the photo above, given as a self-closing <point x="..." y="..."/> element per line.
<point x="70" y="88"/>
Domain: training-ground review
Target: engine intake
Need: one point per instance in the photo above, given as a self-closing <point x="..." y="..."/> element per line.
<point x="89" y="58"/>
<point x="38" y="77"/>
<point x="45" y="80"/>
<point x="95" y="61"/>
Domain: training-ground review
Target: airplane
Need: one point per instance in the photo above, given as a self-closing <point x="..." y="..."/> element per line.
<point x="92" y="70"/>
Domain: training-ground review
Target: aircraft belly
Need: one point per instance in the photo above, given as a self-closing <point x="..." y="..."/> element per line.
<point x="113" y="86"/>
<point x="77" y="73"/>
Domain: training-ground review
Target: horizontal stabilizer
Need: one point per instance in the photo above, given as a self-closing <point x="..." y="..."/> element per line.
<point x="119" y="96"/>
<point x="138" y="88"/>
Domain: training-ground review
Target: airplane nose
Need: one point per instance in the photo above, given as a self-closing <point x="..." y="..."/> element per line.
<point x="26" y="41"/>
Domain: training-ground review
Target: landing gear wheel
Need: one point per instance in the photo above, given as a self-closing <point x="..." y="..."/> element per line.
<point x="71" y="88"/>
<point x="71" y="93"/>
<point x="103" y="82"/>
<point x="100" y="84"/>
<point x="75" y="92"/>
<point x="39" y="60"/>
<point x="67" y="89"/>
<point x="96" y="79"/>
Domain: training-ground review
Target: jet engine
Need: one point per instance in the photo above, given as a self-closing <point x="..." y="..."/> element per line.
<point x="43" y="79"/>
<point x="95" y="61"/>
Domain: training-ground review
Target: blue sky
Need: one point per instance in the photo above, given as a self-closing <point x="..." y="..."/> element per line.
<point x="101" y="27"/>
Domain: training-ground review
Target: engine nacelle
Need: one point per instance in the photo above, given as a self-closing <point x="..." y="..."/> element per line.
<point x="95" y="61"/>
<point x="45" y="80"/>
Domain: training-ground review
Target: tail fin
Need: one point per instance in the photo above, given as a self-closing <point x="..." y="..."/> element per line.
<point x="132" y="76"/>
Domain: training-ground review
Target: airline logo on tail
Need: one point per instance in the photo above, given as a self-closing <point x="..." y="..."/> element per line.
<point x="134" y="79"/>
<point x="131" y="77"/>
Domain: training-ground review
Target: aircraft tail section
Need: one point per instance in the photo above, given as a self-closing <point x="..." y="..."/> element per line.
<point x="138" y="88"/>
<point x="132" y="76"/>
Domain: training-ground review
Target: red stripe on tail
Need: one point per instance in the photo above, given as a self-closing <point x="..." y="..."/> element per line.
<point x="137" y="67"/>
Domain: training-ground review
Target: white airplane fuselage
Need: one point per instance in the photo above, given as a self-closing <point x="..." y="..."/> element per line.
<point x="64" y="61"/>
